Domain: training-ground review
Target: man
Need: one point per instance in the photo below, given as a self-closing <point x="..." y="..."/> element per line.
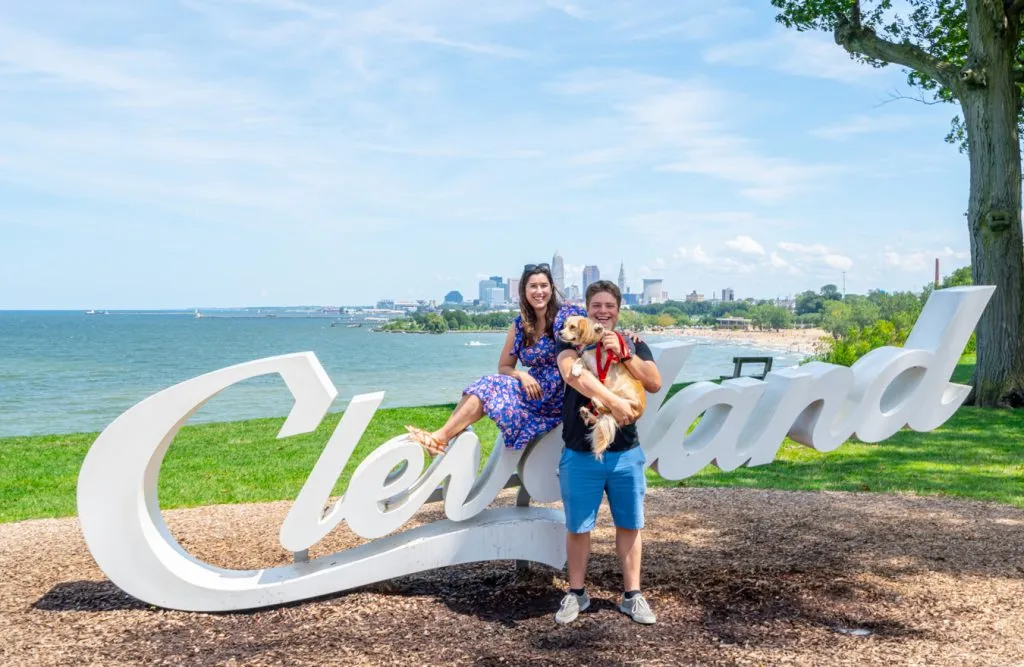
<point x="584" y="480"/>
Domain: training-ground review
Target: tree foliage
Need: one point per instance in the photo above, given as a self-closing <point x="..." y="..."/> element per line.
<point x="859" y="324"/>
<point x="935" y="31"/>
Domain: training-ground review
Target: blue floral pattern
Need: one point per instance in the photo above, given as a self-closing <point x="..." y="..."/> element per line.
<point x="520" y="419"/>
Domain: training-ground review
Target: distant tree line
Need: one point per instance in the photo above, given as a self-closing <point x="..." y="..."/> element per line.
<point x="451" y="320"/>
<point x="859" y="324"/>
<point x="762" y="314"/>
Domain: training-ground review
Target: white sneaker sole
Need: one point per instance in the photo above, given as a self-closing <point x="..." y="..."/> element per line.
<point x="641" y="621"/>
<point x="567" y="621"/>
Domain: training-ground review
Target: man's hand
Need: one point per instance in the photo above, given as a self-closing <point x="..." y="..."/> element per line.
<point x="621" y="411"/>
<point x="611" y="342"/>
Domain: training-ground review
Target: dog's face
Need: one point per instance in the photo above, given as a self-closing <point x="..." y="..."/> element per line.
<point x="579" y="330"/>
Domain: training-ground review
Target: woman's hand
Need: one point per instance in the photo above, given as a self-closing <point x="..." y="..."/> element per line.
<point x="633" y="336"/>
<point x="530" y="386"/>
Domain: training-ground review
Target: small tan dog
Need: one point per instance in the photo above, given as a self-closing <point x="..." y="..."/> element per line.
<point x="583" y="332"/>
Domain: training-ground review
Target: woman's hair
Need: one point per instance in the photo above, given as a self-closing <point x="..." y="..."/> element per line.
<point x="530" y="333"/>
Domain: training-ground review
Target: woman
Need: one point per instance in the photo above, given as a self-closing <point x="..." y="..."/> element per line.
<point x="523" y="403"/>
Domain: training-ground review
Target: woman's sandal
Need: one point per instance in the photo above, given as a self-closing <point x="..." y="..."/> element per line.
<point x="426" y="440"/>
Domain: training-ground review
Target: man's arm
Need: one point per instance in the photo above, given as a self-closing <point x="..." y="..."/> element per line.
<point x="641" y="365"/>
<point x="588" y="385"/>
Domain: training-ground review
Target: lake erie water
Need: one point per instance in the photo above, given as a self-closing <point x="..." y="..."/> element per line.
<point x="66" y="372"/>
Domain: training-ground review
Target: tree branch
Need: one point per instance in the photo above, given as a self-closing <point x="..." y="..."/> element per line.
<point x="894" y="97"/>
<point x="1013" y="8"/>
<point x="853" y="36"/>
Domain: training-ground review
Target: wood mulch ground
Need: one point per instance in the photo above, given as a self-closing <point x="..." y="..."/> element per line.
<point x="736" y="576"/>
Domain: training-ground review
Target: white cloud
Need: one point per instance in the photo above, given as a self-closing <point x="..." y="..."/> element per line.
<point x="799" y="53"/>
<point x="780" y="264"/>
<point x="569" y="9"/>
<point x="858" y="125"/>
<point x="671" y="223"/>
<point x="802" y="249"/>
<point x="683" y="127"/>
<point x="840" y="262"/>
<point x="815" y="255"/>
<point x="921" y="261"/>
<point x="694" y="255"/>
<point x="745" y="244"/>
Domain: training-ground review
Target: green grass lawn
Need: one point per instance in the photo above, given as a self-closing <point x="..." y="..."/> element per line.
<point x="976" y="454"/>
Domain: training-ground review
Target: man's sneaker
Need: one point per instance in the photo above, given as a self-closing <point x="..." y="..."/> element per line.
<point x="572" y="605"/>
<point x="637" y="609"/>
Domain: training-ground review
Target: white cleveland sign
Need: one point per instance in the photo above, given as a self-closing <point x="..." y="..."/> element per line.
<point x="745" y="421"/>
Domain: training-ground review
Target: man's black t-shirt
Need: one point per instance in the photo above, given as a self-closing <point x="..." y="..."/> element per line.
<point x="574" y="431"/>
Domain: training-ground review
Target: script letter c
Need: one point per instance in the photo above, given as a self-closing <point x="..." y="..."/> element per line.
<point x="117" y="486"/>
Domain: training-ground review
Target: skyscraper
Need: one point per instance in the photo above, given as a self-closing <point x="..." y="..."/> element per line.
<point x="486" y="285"/>
<point x="652" y="291"/>
<point x="591" y="274"/>
<point x="622" y="278"/>
<point x="728" y="294"/>
<point x="513" y="290"/>
<point x="558" y="272"/>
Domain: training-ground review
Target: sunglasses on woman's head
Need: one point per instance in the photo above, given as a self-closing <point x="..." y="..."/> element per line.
<point x="536" y="267"/>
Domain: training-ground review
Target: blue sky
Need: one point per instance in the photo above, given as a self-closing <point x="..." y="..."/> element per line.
<point x="274" y="152"/>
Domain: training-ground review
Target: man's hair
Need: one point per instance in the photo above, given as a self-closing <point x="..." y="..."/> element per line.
<point x="604" y="286"/>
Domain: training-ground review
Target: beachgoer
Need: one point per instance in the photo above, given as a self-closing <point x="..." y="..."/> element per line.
<point x="524" y="403"/>
<point x="584" y="479"/>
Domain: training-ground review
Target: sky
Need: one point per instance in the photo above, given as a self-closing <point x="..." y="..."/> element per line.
<point x="217" y="153"/>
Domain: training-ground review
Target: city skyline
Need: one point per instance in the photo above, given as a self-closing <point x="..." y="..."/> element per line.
<point x="653" y="288"/>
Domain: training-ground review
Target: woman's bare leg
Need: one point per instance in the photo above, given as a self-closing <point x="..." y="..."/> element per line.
<point x="469" y="411"/>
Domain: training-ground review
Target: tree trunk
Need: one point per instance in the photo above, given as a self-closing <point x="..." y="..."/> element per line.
<point x="990" y="108"/>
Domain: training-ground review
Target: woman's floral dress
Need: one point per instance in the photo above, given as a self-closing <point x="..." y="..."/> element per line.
<point x="520" y="419"/>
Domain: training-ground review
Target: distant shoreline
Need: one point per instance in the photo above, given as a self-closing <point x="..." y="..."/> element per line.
<point x="451" y="331"/>
<point x="802" y="341"/>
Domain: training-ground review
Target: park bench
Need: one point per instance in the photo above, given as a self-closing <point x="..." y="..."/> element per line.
<point x="739" y="362"/>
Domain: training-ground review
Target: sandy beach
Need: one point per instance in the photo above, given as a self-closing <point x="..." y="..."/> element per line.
<point x="803" y="341"/>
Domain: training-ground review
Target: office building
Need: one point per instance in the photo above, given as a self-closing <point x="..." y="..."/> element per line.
<point x="484" y="286"/>
<point x="591" y="274"/>
<point x="652" y="291"/>
<point x="728" y="295"/>
<point x="558" y="272"/>
<point x="495" y="296"/>
<point x="513" y="291"/>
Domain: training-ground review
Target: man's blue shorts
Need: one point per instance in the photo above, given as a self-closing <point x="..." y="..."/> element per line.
<point x="584" y="481"/>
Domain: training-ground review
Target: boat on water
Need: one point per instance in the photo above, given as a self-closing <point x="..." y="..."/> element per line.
<point x="476" y="343"/>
